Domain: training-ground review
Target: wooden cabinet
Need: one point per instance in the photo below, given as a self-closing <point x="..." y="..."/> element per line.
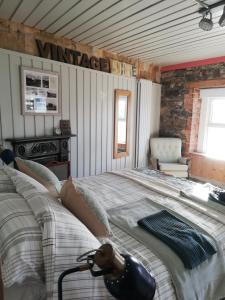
<point x="60" y="168"/>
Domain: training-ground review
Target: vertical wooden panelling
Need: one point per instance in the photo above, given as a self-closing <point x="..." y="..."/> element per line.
<point x="104" y="121"/>
<point x="86" y="122"/>
<point x="87" y="100"/>
<point x="80" y="122"/>
<point x="132" y="127"/>
<point x="99" y="125"/>
<point x="110" y="99"/>
<point x="18" y="119"/>
<point x="134" y="123"/>
<point x="93" y="122"/>
<point x="65" y="105"/>
<point x="56" y="119"/>
<point x="6" y="104"/>
<point x="28" y="120"/>
<point x="73" y="120"/>
<point x="155" y="114"/>
<point x="148" y="109"/>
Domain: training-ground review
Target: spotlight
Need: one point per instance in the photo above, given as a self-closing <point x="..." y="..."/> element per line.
<point x="206" y="23"/>
<point x="222" y="18"/>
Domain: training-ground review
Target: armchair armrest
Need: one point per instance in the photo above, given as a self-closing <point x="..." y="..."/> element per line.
<point x="154" y="163"/>
<point x="184" y="160"/>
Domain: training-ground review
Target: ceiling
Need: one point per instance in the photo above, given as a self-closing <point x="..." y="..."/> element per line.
<point x="160" y="31"/>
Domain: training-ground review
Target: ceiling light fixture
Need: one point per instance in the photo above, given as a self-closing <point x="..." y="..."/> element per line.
<point x="206" y="23"/>
<point x="222" y="18"/>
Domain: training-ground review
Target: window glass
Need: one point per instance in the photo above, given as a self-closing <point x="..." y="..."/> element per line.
<point x="211" y="138"/>
<point x="218" y="111"/>
<point x="215" y="146"/>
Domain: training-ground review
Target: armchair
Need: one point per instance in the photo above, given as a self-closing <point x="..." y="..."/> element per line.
<point x="166" y="156"/>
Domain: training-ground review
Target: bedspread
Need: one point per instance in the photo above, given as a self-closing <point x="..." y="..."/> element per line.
<point x="64" y="237"/>
<point x="189" y="284"/>
<point x="129" y="186"/>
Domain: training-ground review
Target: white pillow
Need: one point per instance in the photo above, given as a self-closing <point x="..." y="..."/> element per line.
<point x="13" y="172"/>
<point x="40" y="173"/>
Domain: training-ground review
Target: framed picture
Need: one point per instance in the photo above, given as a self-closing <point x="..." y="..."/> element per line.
<point x="41" y="92"/>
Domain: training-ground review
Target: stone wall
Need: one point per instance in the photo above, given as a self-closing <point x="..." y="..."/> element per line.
<point x="180" y="104"/>
<point x="180" y="115"/>
<point x="21" y="38"/>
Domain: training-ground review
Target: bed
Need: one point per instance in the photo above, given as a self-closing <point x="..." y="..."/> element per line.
<point x="61" y="238"/>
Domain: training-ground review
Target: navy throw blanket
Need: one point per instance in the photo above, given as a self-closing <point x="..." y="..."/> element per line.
<point x="190" y="245"/>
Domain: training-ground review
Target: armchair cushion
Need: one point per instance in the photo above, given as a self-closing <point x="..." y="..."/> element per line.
<point x="172" y="167"/>
<point x="177" y="173"/>
<point x="166" y="149"/>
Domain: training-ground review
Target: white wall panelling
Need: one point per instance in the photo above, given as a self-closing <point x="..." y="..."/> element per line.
<point x="87" y="100"/>
<point x="155" y="109"/>
<point x="148" y="116"/>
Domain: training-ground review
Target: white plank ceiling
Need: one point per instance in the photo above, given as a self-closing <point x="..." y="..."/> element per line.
<point x="160" y="31"/>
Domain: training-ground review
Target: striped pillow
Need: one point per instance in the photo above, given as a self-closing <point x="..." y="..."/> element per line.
<point x="6" y="185"/>
<point x="40" y="173"/>
<point x="10" y="172"/>
<point x="64" y="239"/>
<point x="20" y="241"/>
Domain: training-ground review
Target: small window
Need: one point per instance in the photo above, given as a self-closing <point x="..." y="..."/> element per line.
<point x="211" y="140"/>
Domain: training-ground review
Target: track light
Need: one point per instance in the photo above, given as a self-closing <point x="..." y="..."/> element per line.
<point x="206" y="23"/>
<point x="222" y="18"/>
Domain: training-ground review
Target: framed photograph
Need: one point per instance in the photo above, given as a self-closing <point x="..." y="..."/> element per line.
<point x="40" y="92"/>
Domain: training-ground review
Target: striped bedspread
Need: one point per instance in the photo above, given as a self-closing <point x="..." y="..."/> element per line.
<point x="64" y="237"/>
<point x="129" y="186"/>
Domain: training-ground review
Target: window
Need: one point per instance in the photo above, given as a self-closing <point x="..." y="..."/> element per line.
<point x="211" y="140"/>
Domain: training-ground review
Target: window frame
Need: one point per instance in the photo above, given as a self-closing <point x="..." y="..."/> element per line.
<point x="208" y="96"/>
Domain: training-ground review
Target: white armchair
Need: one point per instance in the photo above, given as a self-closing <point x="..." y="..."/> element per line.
<point x="166" y="156"/>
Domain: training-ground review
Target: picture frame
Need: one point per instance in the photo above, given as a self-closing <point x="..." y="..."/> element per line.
<point x="41" y="92"/>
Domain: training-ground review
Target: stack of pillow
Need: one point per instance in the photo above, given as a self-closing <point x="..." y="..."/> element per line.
<point x="24" y="201"/>
<point x="87" y="209"/>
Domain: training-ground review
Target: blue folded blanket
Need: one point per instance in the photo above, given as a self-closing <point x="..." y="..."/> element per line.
<point x="190" y="245"/>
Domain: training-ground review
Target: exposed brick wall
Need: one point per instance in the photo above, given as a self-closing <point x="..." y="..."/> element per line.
<point x="180" y="104"/>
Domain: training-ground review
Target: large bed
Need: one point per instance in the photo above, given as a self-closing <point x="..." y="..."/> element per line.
<point x="125" y="195"/>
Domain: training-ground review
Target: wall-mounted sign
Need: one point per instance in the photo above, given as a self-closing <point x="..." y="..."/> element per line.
<point x="120" y="68"/>
<point x="55" y="52"/>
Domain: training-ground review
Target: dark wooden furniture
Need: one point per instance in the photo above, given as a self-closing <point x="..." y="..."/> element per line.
<point x="51" y="151"/>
